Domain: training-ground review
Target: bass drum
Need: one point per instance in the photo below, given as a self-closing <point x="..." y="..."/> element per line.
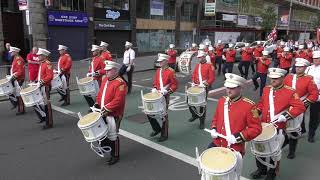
<point x="187" y="62"/>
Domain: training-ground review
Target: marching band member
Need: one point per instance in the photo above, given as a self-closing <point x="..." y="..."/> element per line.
<point x="262" y="71"/>
<point x="202" y="76"/>
<point x="314" y="71"/>
<point x="230" y="58"/>
<point x="33" y="64"/>
<point x="17" y="75"/>
<point x="166" y="83"/>
<point x="128" y="64"/>
<point x="194" y="47"/>
<point x="45" y="75"/>
<point x="310" y="53"/>
<point x="219" y="51"/>
<point x="173" y="56"/>
<point x="257" y="52"/>
<point x="207" y="44"/>
<point x="307" y="91"/>
<point x="278" y="51"/>
<point x="64" y="69"/>
<point x="246" y="58"/>
<point x="236" y="117"/>
<point x="105" y="54"/>
<point x="96" y="70"/>
<point x="285" y="59"/>
<point x="111" y="100"/>
<point x="212" y="56"/>
<point x="278" y="103"/>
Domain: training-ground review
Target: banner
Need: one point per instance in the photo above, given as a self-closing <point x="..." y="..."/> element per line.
<point x="210" y="7"/>
<point x="23" y="4"/>
<point x="156" y="7"/>
<point x="283" y="16"/>
<point x="64" y="18"/>
<point x="242" y="20"/>
<point x="229" y="17"/>
<point x="318" y="35"/>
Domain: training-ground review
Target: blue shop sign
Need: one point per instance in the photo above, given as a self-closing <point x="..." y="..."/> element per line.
<point x="64" y="18"/>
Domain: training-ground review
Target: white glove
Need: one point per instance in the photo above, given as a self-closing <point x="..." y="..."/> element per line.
<point x="213" y="134"/>
<point x="282" y="118"/>
<point x="164" y="92"/>
<point x="202" y="85"/>
<point x="154" y="90"/>
<point x="223" y="57"/>
<point x="193" y="84"/>
<point x="91" y="74"/>
<point x="128" y="68"/>
<point x="231" y="139"/>
<point x="56" y="71"/>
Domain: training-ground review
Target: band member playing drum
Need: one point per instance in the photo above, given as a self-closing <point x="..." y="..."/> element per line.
<point x="278" y="104"/>
<point x="285" y="59"/>
<point x="111" y="100"/>
<point x="307" y="91"/>
<point x="262" y="71"/>
<point x="45" y="76"/>
<point x="64" y="70"/>
<point x="105" y="54"/>
<point x="236" y="117"/>
<point x="203" y="76"/>
<point x="166" y="83"/>
<point x="17" y="74"/>
<point x="173" y="56"/>
<point x="96" y="70"/>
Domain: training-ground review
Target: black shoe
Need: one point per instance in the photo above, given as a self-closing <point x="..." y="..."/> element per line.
<point x="65" y="104"/>
<point x="162" y="138"/>
<point x="13" y="107"/>
<point x="41" y="121"/>
<point x="154" y="133"/>
<point x="19" y="113"/>
<point x="192" y="119"/>
<point x="46" y="127"/>
<point x="201" y="126"/>
<point x="311" y="139"/>
<point x="62" y="99"/>
<point x="113" y="160"/>
<point x="291" y="155"/>
<point x="270" y="176"/>
<point x="258" y="174"/>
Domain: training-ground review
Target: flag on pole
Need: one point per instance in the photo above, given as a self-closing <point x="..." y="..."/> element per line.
<point x="273" y="35"/>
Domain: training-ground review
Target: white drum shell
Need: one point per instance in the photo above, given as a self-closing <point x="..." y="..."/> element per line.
<point x="87" y="88"/>
<point x="187" y="62"/>
<point x="6" y="88"/>
<point x="56" y="82"/>
<point x="197" y="99"/>
<point x="294" y="124"/>
<point x="265" y="148"/>
<point x="155" y="106"/>
<point x="32" y="98"/>
<point x="95" y="130"/>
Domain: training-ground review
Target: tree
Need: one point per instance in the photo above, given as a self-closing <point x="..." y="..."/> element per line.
<point x="269" y="19"/>
<point x="316" y="21"/>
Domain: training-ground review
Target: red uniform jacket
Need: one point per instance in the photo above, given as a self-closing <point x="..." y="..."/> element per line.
<point x="106" y="55"/>
<point x="212" y="58"/>
<point x="46" y="72"/>
<point x="231" y="55"/>
<point x="219" y="50"/>
<point x="309" y="57"/>
<point x="263" y="64"/>
<point x="207" y="73"/>
<point x="173" y="55"/>
<point x="258" y="51"/>
<point x="18" y="68"/>
<point x="285" y="99"/>
<point x="244" y="122"/>
<point x="168" y="79"/>
<point x="304" y="86"/>
<point x="98" y="66"/>
<point x="285" y="61"/>
<point x="65" y="63"/>
<point x="279" y="50"/>
<point x="301" y="54"/>
<point x="33" y="68"/>
<point x="246" y="54"/>
<point x="115" y="97"/>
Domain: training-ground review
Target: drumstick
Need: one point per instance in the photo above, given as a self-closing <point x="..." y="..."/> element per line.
<point x="219" y="135"/>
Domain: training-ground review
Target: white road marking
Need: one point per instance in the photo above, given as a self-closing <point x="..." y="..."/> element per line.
<point x="148" y="79"/>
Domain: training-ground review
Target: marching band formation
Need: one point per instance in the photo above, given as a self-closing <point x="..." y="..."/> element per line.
<point x="275" y="121"/>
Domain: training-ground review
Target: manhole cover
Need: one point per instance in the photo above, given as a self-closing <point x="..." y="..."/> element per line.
<point x="140" y="118"/>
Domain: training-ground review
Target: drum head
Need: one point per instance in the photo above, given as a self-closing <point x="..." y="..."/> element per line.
<point x="85" y="80"/>
<point x="29" y="89"/>
<point x="195" y="90"/>
<point x="89" y="119"/>
<point x="218" y="159"/>
<point x="2" y="81"/>
<point x="152" y="96"/>
<point x="268" y="131"/>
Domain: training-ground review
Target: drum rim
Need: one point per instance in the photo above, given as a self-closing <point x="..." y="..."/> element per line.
<point x="89" y="124"/>
<point x="218" y="173"/>
<point x="6" y="82"/>
<point x="267" y="155"/>
<point x="28" y="92"/>
<point x="97" y="139"/>
<point x="264" y="140"/>
<point x="192" y="93"/>
<point x="158" y="98"/>
<point x="84" y="83"/>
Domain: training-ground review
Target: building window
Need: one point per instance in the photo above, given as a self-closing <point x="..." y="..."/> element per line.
<point x="70" y="5"/>
<point x="112" y="4"/>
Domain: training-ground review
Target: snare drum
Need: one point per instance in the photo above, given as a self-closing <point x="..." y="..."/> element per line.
<point x="187" y="62"/>
<point x="154" y="103"/>
<point x="196" y="96"/>
<point x="266" y="144"/>
<point x="56" y="82"/>
<point x="31" y="96"/>
<point x="218" y="163"/>
<point x="6" y="87"/>
<point x="93" y="127"/>
<point x="294" y="124"/>
<point x="87" y="86"/>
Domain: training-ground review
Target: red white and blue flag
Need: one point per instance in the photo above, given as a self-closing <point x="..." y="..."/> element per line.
<point x="273" y="35"/>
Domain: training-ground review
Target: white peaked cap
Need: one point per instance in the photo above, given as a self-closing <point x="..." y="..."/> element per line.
<point x="316" y="54"/>
<point x="62" y="47"/>
<point x="276" y="73"/>
<point x="43" y="52"/>
<point x="201" y="54"/>
<point x="162" y="57"/>
<point x="111" y="64"/>
<point x="128" y="43"/>
<point x="14" y="49"/>
<point x="104" y="44"/>
<point x="171" y="45"/>
<point x="94" y="47"/>
<point x="233" y="80"/>
<point x="300" y="62"/>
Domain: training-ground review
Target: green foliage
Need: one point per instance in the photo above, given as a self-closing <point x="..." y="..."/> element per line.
<point x="269" y="19"/>
<point x="316" y="21"/>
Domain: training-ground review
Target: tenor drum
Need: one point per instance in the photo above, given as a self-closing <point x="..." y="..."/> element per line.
<point x="294" y="124"/>
<point x="187" y="62"/>
<point x="56" y="82"/>
<point x="93" y="127"/>
<point x="6" y="87"/>
<point x="154" y="103"/>
<point x="218" y="163"/>
<point x="266" y="144"/>
<point x="196" y="96"/>
<point x="31" y="96"/>
<point x="87" y="86"/>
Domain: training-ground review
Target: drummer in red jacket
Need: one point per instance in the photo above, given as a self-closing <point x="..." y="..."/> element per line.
<point x="244" y="122"/>
<point x="111" y="99"/>
<point x="64" y="68"/>
<point x="308" y="92"/>
<point x="207" y="76"/>
<point x="17" y="79"/>
<point x="170" y="85"/>
<point x="44" y="111"/>
<point x="285" y="105"/>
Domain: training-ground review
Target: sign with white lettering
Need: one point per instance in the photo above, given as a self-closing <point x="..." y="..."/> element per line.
<point x="111" y="14"/>
<point x="110" y="25"/>
<point x="63" y="18"/>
